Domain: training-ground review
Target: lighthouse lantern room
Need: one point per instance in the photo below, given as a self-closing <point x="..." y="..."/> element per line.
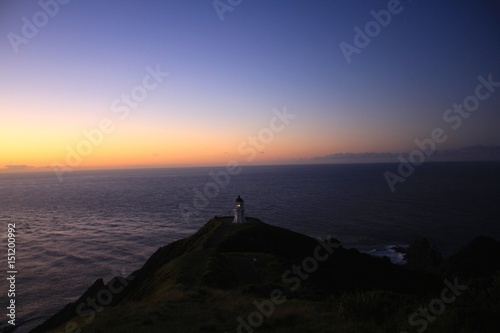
<point x="239" y="211"/>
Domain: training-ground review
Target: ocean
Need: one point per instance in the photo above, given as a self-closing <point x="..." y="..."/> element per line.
<point x="106" y="223"/>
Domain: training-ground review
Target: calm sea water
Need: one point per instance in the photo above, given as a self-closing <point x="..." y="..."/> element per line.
<point x="105" y="223"/>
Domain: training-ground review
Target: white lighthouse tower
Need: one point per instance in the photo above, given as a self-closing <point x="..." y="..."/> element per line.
<point x="239" y="211"/>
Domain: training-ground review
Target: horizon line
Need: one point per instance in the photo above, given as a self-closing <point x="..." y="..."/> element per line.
<point x="311" y="163"/>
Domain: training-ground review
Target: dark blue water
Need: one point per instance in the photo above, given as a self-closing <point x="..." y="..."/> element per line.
<point x="106" y="223"/>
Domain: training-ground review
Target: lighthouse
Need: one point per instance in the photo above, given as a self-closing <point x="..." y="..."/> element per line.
<point x="239" y="211"/>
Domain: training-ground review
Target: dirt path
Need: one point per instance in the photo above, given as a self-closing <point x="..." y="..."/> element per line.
<point x="244" y="266"/>
<point x="221" y="232"/>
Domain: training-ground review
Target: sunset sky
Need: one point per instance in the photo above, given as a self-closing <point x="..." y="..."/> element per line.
<point x="231" y="72"/>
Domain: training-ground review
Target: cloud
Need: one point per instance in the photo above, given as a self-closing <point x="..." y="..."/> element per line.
<point x="357" y="156"/>
<point x="17" y="167"/>
<point x="477" y="152"/>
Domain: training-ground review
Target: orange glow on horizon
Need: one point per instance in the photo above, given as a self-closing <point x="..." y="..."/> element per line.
<point x="40" y="142"/>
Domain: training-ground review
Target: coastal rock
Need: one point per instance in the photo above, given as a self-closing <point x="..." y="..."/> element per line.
<point x="422" y="256"/>
<point x="479" y="258"/>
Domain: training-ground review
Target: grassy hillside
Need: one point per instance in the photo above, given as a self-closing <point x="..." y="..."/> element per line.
<point x="257" y="277"/>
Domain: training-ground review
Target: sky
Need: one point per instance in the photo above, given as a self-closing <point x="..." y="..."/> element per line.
<point x="131" y="84"/>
